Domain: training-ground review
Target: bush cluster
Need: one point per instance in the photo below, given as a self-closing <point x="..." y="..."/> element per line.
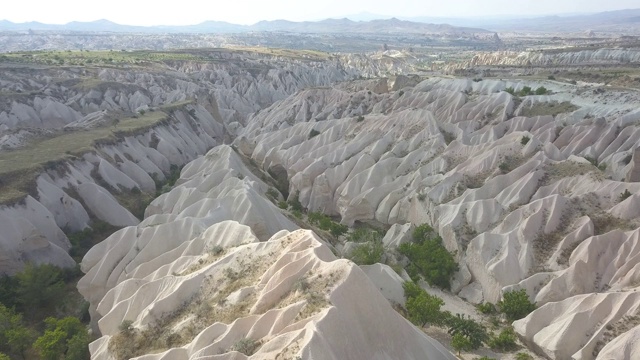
<point x="428" y="258"/>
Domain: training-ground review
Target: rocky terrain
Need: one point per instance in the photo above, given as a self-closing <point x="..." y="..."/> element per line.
<point x="532" y="183"/>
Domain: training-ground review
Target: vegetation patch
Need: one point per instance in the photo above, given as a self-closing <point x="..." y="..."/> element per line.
<point x="516" y="305"/>
<point x="19" y="168"/>
<point x="548" y="108"/>
<point x="428" y="258"/>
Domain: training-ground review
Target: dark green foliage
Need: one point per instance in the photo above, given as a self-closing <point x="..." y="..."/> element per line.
<point x="516" y="304"/>
<point x="504" y="167"/>
<point x="400" y="93"/>
<point x="39" y="287"/>
<point x="368" y="253"/>
<point x="429" y="258"/>
<point x="551" y="77"/>
<point x="59" y="334"/>
<point x="542" y="91"/>
<point x="78" y="347"/>
<point x="487" y="308"/>
<point x="510" y="90"/>
<point x="283" y="205"/>
<point x="313" y="133"/>
<point x="469" y="328"/>
<point x="15" y="338"/>
<point x="82" y="241"/>
<point x="524" y="140"/>
<point x="526" y="90"/>
<point x="8" y="291"/>
<point x="295" y="204"/>
<point x="360" y="118"/>
<point x="324" y="222"/>
<point x="592" y="160"/>
<point x="422" y="308"/>
<point x="624" y="195"/>
<point x="505" y="341"/>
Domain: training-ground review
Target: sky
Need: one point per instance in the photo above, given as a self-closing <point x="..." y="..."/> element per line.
<point x="246" y="12"/>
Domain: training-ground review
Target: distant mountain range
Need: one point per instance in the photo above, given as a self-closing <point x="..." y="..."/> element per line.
<point x="325" y="26"/>
<point x="365" y="23"/>
<point x="559" y="23"/>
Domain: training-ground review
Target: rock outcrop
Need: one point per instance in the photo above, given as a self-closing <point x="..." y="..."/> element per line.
<point x="208" y="270"/>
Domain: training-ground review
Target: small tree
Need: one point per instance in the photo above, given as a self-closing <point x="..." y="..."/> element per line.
<point x="469" y="328"/>
<point x="516" y="305"/>
<point x="423" y="308"/>
<point x="505" y="341"/>
<point x="460" y="343"/>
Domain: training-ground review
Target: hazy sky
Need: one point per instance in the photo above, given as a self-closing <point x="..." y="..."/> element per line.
<point x="183" y="12"/>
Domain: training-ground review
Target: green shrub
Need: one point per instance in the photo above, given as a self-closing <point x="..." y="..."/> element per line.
<point x="283" y="205"/>
<point x="526" y="90"/>
<point x="313" y="133"/>
<point x="360" y="118"/>
<point x="429" y="258"/>
<point x="542" y="91"/>
<point x="504" y="167"/>
<point x="272" y="194"/>
<point x="486" y="308"/>
<point x="510" y="90"/>
<point x="523" y="356"/>
<point x="295" y="204"/>
<point x="297" y="214"/>
<point x="516" y="305"/>
<point x="524" y="140"/>
<point x="246" y="346"/>
<point x="126" y="326"/>
<point x="624" y="195"/>
<point x="368" y="253"/>
<point x="360" y="235"/>
<point x="551" y="77"/>
<point x="505" y="341"/>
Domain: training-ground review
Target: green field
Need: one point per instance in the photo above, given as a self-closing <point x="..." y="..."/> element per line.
<point x="19" y="168"/>
<point x="148" y="57"/>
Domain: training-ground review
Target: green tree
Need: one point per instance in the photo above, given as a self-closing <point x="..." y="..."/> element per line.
<point x="505" y="341"/>
<point x="423" y="308"/>
<point x="4" y="357"/>
<point x="14" y="336"/>
<point x="460" y="343"/>
<point x="516" y="305"/>
<point x="430" y="259"/>
<point x="78" y="347"/>
<point x="469" y="328"/>
<point x="39" y="286"/>
<point x="58" y="336"/>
